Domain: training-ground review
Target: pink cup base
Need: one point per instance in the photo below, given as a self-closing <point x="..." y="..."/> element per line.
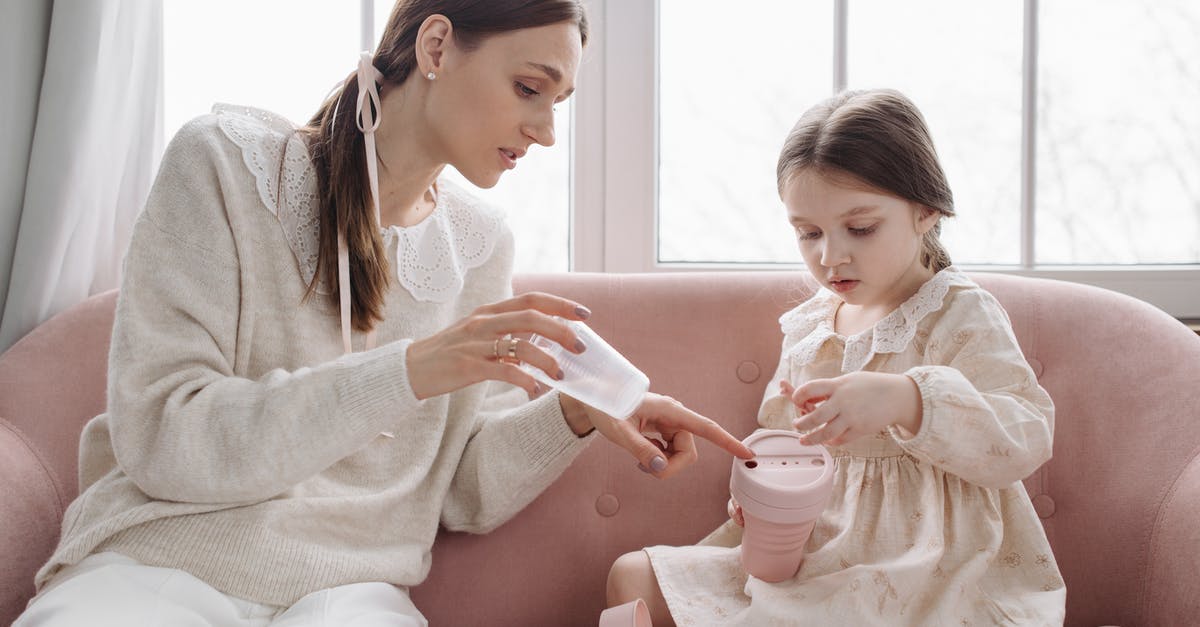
<point x="631" y="614"/>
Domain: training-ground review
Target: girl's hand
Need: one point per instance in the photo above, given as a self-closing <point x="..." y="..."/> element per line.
<point x="665" y="418"/>
<point x="735" y="512"/>
<point x="840" y="410"/>
<point x="479" y="347"/>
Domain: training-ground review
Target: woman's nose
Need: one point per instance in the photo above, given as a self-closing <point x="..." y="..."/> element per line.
<point x="541" y="130"/>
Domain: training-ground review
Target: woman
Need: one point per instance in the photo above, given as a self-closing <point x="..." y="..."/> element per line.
<point x="254" y="465"/>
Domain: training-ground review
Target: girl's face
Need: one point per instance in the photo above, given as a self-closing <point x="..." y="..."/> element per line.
<point x="492" y="103"/>
<point x="862" y="244"/>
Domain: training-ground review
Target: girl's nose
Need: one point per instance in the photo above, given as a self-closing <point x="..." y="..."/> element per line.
<point x="833" y="253"/>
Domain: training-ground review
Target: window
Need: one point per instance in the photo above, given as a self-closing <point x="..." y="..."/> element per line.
<point x="286" y="55"/>
<point x="1070" y="130"/>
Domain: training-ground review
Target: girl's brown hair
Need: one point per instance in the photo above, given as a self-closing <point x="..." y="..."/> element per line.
<point x="879" y="138"/>
<point x="336" y="145"/>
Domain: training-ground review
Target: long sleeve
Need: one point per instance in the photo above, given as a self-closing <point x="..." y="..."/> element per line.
<point x="185" y="426"/>
<point x="985" y="418"/>
<point x="519" y="447"/>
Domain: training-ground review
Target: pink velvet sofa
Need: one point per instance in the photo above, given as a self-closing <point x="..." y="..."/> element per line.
<point x="1120" y="500"/>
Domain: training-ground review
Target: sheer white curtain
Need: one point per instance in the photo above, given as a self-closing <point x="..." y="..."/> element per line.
<point x="90" y="158"/>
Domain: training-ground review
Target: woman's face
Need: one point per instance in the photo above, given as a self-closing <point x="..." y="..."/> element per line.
<point x="491" y="104"/>
<point x="863" y="244"/>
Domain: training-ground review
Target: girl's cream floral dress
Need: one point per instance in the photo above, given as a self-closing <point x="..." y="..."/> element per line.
<point x="927" y="529"/>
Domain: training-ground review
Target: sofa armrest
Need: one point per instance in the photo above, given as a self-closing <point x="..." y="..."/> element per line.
<point x="30" y="518"/>
<point x="1172" y="590"/>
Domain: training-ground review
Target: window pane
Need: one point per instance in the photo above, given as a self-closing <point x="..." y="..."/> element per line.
<point x="960" y="62"/>
<point x="536" y="196"/>
<point x="279" y="55"/>
<point x="1118" y="165"/>
<point x="727" y="99"/>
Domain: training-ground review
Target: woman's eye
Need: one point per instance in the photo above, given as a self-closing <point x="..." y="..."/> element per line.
<point x="525" y="90"/>
<point x="862" y="231"/>
<point x="807" y="235"/>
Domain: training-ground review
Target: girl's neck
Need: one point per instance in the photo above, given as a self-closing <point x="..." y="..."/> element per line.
<point x="850" y="319"/>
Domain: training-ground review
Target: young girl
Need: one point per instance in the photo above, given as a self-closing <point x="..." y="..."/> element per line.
<point x="910" y="374"/>
<point x="311" y="364"/>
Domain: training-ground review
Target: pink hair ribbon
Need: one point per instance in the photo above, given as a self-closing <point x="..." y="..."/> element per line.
<point x="367" y="116"/>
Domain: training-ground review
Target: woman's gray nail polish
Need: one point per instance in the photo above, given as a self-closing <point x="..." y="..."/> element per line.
<point x="583" y="312"/>
<point x="580" y="346"/>
<point x="658" y="464"/>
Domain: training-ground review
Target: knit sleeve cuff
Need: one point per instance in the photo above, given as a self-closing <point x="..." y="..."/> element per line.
<point x="374" y="388"/>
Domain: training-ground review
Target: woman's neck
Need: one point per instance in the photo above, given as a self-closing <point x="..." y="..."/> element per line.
<point x="408" y="167"/>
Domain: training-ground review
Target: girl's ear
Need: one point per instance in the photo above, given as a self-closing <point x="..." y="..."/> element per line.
<point x="927" y="218"/>
<point x="433" y="39"/>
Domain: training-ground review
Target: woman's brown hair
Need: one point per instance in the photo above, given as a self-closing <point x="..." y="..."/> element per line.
<point x="879" y="138"/>
<point x="336" y="145"/>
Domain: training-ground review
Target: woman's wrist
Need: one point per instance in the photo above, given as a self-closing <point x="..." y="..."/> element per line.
<point x="576" y="415"/>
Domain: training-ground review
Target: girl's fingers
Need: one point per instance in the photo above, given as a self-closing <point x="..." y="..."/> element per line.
<point x="814" y="391"/>
<point x="821" y="415"/>
<point x="827" y="432"/>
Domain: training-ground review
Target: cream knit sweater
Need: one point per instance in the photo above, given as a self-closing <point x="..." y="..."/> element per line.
<point x="239" y="443"/>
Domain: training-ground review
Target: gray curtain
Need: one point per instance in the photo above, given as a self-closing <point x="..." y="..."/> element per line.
<point x="83" y="81"/>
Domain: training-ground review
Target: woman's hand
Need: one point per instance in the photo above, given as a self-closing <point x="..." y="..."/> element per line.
<point x="839" y="410"/>
<point x="663" y="417"/>
<point x="479" y="347"/>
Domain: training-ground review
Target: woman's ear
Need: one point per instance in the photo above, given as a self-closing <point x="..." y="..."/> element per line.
<point x="433" y="38"/>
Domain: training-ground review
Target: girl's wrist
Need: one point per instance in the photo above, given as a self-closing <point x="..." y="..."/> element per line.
<point x="911" y="422"/>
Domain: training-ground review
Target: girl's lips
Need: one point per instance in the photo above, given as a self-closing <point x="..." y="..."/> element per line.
<point x="844" y="285"/>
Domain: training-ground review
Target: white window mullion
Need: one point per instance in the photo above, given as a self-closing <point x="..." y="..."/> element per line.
<point x="631" y="137"/>
<point x="588" y="140"/>
<point x="1029" y="64"/>
<point x="840" y="32"/>
<point x="366" y="32"/>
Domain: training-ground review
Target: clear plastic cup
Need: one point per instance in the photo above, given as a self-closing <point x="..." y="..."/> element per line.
<point x="599" y="376"/>
<point x="782" y="492"/>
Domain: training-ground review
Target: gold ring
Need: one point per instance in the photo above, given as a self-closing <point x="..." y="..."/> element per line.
<point x="512" y="348"/>
<point x="496" y="348"/>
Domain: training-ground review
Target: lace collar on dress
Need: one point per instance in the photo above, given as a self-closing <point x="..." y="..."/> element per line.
<point x="811" y="324"/>
<point x="431" y="257"/>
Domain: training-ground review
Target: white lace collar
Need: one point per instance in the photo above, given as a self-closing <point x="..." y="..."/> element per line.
<point x="431" y="257"/>
<point x="811" y="324"/>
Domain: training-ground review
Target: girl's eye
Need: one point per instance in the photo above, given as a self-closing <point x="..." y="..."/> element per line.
<point x="863" y="231"/>
<point x="803" y="235"/>
<point x="525" y="90"/>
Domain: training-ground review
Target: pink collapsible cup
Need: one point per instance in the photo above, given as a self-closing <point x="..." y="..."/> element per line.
<point x="782" y="492"/>
<point x="631" y="614"/>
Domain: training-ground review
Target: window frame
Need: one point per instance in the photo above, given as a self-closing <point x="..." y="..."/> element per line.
<point x="614" y="169"/>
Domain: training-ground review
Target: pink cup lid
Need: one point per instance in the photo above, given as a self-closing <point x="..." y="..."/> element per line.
<point x="784" y="475"/>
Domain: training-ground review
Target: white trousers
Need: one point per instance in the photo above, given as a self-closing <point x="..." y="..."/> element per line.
<point x="111" y="590"/>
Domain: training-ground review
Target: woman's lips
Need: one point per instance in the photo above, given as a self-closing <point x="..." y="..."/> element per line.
<point x="509" y="158"/>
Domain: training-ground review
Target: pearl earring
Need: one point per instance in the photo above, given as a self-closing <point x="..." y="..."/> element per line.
<point x="431" y="76"/>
